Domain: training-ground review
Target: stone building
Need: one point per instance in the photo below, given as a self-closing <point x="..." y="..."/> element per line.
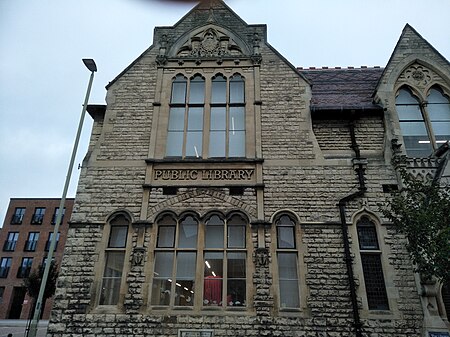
<point x="227" y="193"/>
<point x="25" y="241"/>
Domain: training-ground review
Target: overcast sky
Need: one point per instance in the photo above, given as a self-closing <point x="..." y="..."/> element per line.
<point x="43" y="81"/>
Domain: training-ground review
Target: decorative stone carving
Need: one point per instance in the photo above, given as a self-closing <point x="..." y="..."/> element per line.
<point x="418" y="75"/>
<point x="210" y="43"/>
<point x="138" y="256"/>
<point x="262" y="257"/>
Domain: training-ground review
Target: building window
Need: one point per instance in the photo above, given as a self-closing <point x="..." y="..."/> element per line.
<point x="287" y="259"/>
<point x="114" y="261"/>
<point x="224" y="117"/>
<point x="2" y="292"/>
<point x="31" y="243"/>
<point x="38" y="216"/>
<point x="371" y="264"/>
<point x="11" y="242"/>
<point x="227" y="121"/>
<point x="424" y="125"/>
<point x="55" y="215"/>
<point x="49" y="241"/>
<point x="222" y="259"/>
<point x="5" y="265"/>
<point x="18" y="215"/>
<point x="25" y="267"/>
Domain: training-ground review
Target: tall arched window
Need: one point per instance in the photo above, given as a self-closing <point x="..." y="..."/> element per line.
<point x="114" y="260"/>
<point x="185" y="129"/>
<point x="424" y="125"/>
<point x="287" y="260"/>
<point x="371" y="264"/>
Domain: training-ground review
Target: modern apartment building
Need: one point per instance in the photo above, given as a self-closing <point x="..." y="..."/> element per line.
<point x="24" y="242"/>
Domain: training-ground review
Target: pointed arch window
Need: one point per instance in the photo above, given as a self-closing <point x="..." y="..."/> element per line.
<point x="185" y="129"/>
<point x="114" y="260"/>
<point x="287" y="259"/>
<point x="200" y="263"/>
<point x="371" y="264"/>
<point x="222" y="114"/>
<point x="424" y="126"/>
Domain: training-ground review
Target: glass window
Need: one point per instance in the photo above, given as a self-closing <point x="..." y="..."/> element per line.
<point x="55" y="215"/>
<point x="114" y="261"/>
<point x="11" y="242"/>
<point x="225" y="114"/>
<point x="31" y="243"/>
<point x="439" y="111"/>
<point x="5" y="265"/>
<point x="421" y="136"/>
<point x="25" y="267"/>
<point x="38" y="215"/>
<point x="18" y="215"/>
<point x="49" y="241"/>
<point x="287" y="259"/>
<point x="185" y="129"/>
<point x="371" y="265"/>
<point x="224" y="279"/>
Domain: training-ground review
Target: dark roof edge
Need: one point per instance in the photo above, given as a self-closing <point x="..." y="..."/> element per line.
<point x="339" y="110"/>
<point x="40" y="199"/>
<point x="96" y="110"/>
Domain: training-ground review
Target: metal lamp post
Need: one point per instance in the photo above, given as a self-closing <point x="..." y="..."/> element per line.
<point x="90" y="64"/>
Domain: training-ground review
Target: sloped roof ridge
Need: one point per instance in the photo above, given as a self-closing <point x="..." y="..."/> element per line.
<point x="339" y="68"/>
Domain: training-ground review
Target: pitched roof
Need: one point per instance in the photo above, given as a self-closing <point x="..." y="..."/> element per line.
<point x="343" y="88"/>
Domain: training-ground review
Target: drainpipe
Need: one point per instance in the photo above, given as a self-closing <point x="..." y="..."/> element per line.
<point x="358" y="163"/>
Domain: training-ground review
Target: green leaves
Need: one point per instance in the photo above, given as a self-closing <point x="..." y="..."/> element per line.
<point x="33" y="282"/>
<point x="421" y="211"/>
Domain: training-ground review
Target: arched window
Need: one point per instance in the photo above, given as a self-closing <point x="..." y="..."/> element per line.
<point x="415" y="136"/>
<point x="114" y="260"/>
<point x="287" y="260"/>
<point x="185" y="129"/>
<point x="439" y="111"/>
<point x="424" y="126"/>
<point x="200" y="263"/>
<point x="371" y="264"/>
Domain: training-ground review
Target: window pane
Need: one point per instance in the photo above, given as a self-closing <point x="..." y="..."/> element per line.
<point x="217" y="140"/>
<point x="163" y="264"/>
<point x="236" y="89"/>
<point x="118" y="236"/>
<point x="195" y="119"/>
<point x="441" y="130"/>
<point x="184" y="286"/>
<point x="236" y="265"/>
<point x="288" y="280"/>
<point x="236" y="144"/>
<point x="176" y="119"/>
<point x="374" y="281"/>
<point x="197" y="91"/>
<point x="219" y="90"/>
<point x="161" y="290"/>
<point x="237" y="118"/>
<point x="112" y="278"/>
<point x="188" y="233"/>
<point x="415" y="138"/>
<point x="162" y="280"/>
<point x="236" y="236"/>
<point x="212" y="288"/>
<point x="218" y="118"/>
<point x="179" y="90"/>
<point x="166" y="237"/>
<point x="194" y="143"/>
<point x="367" y="234"/>
<point x="174" y="144"/>
<point x="236" y="285"/>
<point x="214" y="232"/>
<point x="289" y="294"/>
<point x="285" y="236"/>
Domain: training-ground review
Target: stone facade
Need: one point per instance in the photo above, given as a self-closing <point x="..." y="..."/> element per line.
<point x="321" y="158"/>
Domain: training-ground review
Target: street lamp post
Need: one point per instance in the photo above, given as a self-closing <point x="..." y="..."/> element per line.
<point x="90" y="64"/>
